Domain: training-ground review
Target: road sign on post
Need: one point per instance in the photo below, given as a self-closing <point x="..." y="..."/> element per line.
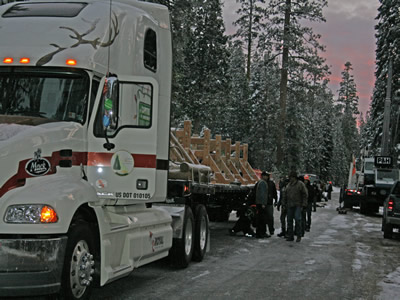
<point x="383" y="161"/>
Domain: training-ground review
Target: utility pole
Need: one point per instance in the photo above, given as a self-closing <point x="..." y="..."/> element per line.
<point x="386" y="113"/>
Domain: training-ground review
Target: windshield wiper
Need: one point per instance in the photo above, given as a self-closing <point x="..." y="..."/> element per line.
<point x="27" y="113"/>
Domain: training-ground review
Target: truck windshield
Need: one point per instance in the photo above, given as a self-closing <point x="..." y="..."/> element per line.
<point x="48" y="94"/>
<point x="387" y="175"/>
<point x="369" y="165"/>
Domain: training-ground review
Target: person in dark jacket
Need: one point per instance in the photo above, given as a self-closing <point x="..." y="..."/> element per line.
<point x="272" y="199"/>
<point x="310" y="202"/>
<point x="303" y="212"/>
<point x="318" y="196"/>
<point x="246" y="216"/>
<point x="282" y="208"/>
<point x="295" y="199"/>
<point x="261" y="204"/>
<point x="329" y="189"/>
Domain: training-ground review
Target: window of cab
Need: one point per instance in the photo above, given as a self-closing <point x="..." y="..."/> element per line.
<point x="150" y="50"/>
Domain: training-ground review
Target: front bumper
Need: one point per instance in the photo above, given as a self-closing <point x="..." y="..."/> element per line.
<point x="31" y="267"/>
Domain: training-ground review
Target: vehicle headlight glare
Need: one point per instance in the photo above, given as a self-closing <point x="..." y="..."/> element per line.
<point x="30" y="214"/>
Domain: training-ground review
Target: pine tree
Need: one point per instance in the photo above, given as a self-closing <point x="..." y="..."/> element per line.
<point x="263" y="87"/>
<point x="388" y="41"/>
<point x="286" y="32"/>
<point x="348" y="110"/>
<point x="237" y="114"/>
<point x="201" y="76"/>
<point x="249" y="26"/>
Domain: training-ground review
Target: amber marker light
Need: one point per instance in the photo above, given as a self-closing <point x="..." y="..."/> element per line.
<point x="24" y="60"/>
<point x="8" y="60"/>
<point x="71" y="62"/>
<point x="48" y="215"/>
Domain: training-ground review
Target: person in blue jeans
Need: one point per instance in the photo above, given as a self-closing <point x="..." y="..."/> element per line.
<point x="261" y="203"/>
<point x="295" y="199"/>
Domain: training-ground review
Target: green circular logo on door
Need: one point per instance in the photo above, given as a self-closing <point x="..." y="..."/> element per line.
<point x="122" y="163"/>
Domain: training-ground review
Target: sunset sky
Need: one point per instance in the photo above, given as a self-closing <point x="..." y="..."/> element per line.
<point x="348" y="35"/>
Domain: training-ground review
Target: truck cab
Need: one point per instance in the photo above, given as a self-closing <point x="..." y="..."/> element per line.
<point x="84" y="143"/>
<point x="378" y="180"/>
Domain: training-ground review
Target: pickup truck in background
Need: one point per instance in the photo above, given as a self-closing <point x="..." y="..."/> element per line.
<point x="391" y="211"/>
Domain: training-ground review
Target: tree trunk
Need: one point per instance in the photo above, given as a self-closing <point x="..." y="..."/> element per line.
<point x="250" y="40"/>
<point x="283" y="87"/>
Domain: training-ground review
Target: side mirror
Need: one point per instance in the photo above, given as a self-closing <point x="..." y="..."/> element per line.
<point x="109" y="109"/>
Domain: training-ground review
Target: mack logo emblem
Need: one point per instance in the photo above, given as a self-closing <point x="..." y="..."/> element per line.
<point x="37" y="166"/>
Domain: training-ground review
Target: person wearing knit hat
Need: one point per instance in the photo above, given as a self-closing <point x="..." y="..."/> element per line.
<point x="295" y="199"/>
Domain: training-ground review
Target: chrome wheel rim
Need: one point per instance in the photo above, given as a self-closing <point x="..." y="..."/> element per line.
<point x="82" y="269"/>
<point x="188" y="237"/>
<point x="203" y="233"/>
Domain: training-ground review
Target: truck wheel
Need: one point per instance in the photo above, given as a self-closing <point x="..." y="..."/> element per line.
<point x="182" y="249"/>
<point x="200" y="233"/>
<point x="79" y="265"/>
<point x="387" y="230"/>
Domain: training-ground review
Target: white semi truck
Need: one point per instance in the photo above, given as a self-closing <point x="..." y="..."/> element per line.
<point x="84" y="146"/>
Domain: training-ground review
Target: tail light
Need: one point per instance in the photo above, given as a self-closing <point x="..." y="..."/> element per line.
<point x="186" y="189"/>
<point x="390" y="204"/>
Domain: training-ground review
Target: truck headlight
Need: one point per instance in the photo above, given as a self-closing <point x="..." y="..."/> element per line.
<point x="30" y="213"/>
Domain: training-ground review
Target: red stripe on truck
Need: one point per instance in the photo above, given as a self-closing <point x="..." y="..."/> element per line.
<point x="77" y="158"/>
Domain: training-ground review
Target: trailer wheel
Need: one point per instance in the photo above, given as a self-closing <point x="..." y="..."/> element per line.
<point x="79" y="264"/>
<point x="387" y="230"/>
<point x="182" y="249"/>
<point x="201" y="233"/>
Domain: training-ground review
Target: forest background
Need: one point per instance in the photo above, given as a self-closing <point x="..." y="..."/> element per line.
<point x="267" y="84"/>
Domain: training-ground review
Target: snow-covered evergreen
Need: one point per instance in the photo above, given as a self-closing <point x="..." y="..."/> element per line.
<point x="388" y="43"/>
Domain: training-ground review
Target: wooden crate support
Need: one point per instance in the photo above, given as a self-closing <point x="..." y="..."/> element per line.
<point x="187" y="129"/>
<point x="214" y="153"/>
<point x="218" y="139"/>
<point x="178" y="146"/>
<point x="206" y="147"/>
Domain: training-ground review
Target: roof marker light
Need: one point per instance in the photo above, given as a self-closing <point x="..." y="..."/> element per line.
<point x="71" y="62"/>
<point x="25" y="60"/>
<point x="8" y="60"/>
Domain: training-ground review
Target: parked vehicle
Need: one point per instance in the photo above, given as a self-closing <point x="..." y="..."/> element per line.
<point x="85" y="196"/>
<point x="391" y="211"/>
<point x="350" y="194"/>
<point x="377" y="185"/>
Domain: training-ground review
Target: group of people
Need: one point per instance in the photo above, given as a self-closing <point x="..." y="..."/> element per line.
<point x="296" y="202"/>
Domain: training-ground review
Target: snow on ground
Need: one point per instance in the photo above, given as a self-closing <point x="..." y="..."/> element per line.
<point x="390" y="286"/>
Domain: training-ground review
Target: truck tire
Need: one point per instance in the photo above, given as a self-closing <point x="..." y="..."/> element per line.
<point x="201" y="233"/>
<point x="182" y="249"/>
<point x="387" y="230"/>
<point x="79" y="263"/>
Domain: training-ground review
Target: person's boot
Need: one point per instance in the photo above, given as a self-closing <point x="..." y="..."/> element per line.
<point x="298" y="239"/>
<point x="290" y="239"/>
<point x="282" y="234"/>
